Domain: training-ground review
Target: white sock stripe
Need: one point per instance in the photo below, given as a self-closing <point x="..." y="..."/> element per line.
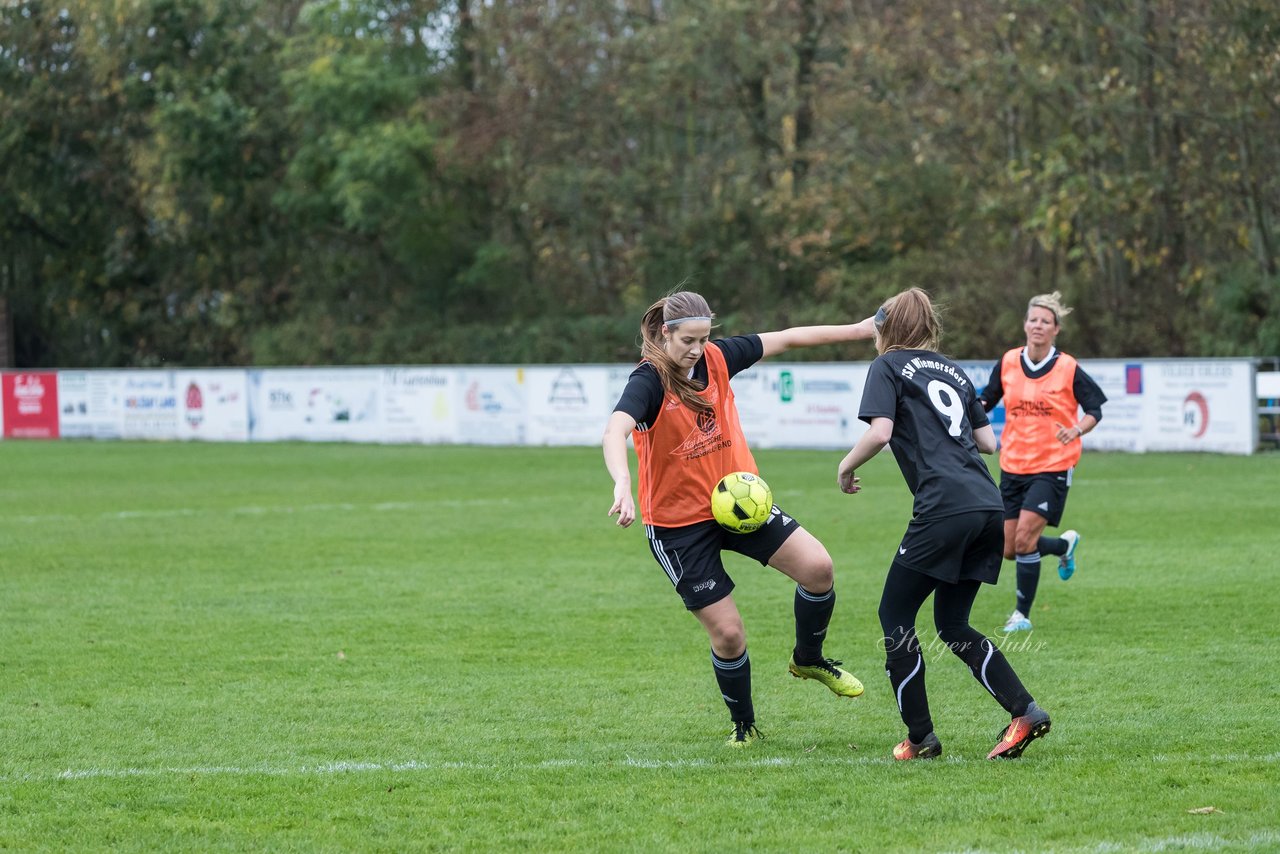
<point x="1033" y="557"/>
<point x="910" y="676"/>
<point x="721" y="664"/>
<point x="991" y="650"/>
<point x="805" y="594"/>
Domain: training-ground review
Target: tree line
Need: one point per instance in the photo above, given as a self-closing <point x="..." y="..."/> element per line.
<point x="223" y="182"/>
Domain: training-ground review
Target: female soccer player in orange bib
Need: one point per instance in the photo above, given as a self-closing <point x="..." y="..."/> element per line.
<point x="678" y="408"/>
<point x="1044" y="391"/>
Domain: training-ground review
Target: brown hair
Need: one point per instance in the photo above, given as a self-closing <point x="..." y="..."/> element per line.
<point x="671" y="310"/>
<point x="1052" y="302"/>
<point x="909" y="323"/>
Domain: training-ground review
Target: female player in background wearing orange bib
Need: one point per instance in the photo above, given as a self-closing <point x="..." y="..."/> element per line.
<point x="1044" y="390"/>
<point x="679" y="410"/>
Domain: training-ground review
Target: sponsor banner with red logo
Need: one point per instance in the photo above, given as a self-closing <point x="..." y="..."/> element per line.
<point x="1199" y="405"/>
<point x="30" y="405"/>
<point x="213" y="405"/>
<point x="493" y="406"/>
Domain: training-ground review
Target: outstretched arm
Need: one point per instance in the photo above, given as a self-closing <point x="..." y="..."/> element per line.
<point x="812" y="336"/>
<point x="615" y="460"/>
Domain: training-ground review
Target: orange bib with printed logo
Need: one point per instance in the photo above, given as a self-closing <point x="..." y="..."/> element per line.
<point x="684" y="453"/>
<point x="1033" y="410"/>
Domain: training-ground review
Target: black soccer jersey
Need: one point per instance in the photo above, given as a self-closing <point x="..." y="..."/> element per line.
<point x="935" y="410"/>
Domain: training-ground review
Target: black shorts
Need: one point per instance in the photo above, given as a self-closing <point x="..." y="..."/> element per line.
<point x="1044" y="493"/>
<point x="690" y="554"/>
<point x="965" y="547"/>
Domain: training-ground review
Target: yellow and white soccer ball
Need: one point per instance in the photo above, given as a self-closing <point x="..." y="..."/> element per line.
<point x="741" y="502"/>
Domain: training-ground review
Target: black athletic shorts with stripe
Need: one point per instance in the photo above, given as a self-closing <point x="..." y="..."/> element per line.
<point x="1044" y="493"/>
<point x="690" y="555"/>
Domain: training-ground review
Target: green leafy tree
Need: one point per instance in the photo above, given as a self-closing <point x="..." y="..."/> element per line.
<point x="386" y="226"/>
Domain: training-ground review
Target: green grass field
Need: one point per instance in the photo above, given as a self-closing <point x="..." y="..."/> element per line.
<point x="393" y="648"/>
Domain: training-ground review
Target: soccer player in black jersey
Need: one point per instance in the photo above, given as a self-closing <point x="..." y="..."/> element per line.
<point x="924" y="407"/>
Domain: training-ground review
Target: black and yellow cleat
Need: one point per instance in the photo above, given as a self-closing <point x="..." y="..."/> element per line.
<point x="828" y="671"/>
<point x="744" y="734"/>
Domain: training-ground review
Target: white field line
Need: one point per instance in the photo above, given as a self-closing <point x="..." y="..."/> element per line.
<point x="1194" y="841"/>
<point x="357" y="767"/>
<point x="1183" y="842"/>
<point x="176" y="512"/>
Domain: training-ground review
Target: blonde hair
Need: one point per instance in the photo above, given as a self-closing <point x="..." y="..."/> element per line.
<point x="670" y="311"/>
<point x="910" y="323"/>
<point x="1052" y="302"/>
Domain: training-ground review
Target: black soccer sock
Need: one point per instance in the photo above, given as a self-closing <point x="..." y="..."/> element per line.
<point x="952" y="605"/>
<point x="989" y="666"/>
<point x="1055" y="546"/>
<point x="734" y="678"/>
<point x="906" y="676"/>
<point x="904" y="591"/>
<point x="813" y="616"/>
<point x="1028" y="580"/>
